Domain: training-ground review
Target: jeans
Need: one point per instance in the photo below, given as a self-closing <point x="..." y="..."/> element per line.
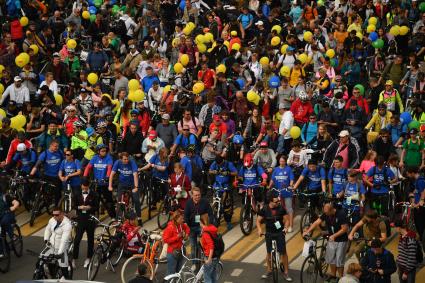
<point x="210" y="271"/>
<point x="410" y="277"/>
<point x="135" y="197"/>
<point x="284" y="145"/>
<point x="195" y="232"/>
<point x="174" y="264"/>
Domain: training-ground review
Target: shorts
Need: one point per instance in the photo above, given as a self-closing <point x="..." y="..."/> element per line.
<point x="280" y="243"/>
<point x="288" y="205"/>
<point x="335" y="253"/>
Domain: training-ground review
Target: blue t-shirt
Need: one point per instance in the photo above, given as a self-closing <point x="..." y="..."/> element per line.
<point x="245" y="19"/>
<point x="100" y="168"/>
<point x="51" y="162"/>
<point x="350" y="189"/>
<point x="156" y="173"/>
<point x="220" y="180"/>
<point x="396" y="131"/>
<point x="380" y="185"/>
<point x="27" y="160"/>
<point x="187" y="166"/>
<point x="339" y="178"/>
<point x="126" y="172"/>
<point x="251" y="176"/>
<point x="68" y="168"/>
<point x="147" y="82"/>
<point x="184" y="142"/>
<point x="281" y="178"/>
<point x="419" y="188"/>
<point x="314" y="178"/>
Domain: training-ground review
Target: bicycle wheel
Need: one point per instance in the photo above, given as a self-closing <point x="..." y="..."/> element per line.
<point x="5" y="260"/>
<point x="17" y="242"/>
<point x="175" y="280"/>
<point x="216" y="213"/>
<point x="117" y="253"/>
<point x="129" y="268"/>
<point x="219" y="271"/>
<point x="35" y="209"/>
<point x="39" y="271"/>
<point x="306" y="220"/>
<point x="59" y="273"/>
<point x="164" y="214"/>
<point x="309" y="272"/>
<point x="275" y="271"/>
<point x="94" y="264"/>
<point x="246" y="219"/>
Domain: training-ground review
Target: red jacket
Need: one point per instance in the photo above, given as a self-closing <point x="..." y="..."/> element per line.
<point x="361" y="102"/>
<point x="12" y="149"/>
<point x="301" y="111"/>
<point x="144" y="122"/>
<point x="184" y="183"/>
<point x="172" y="238"/>
<point x="207" y="243"/>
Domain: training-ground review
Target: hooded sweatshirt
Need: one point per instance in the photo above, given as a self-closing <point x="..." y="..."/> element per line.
<point x="207" y="242"/>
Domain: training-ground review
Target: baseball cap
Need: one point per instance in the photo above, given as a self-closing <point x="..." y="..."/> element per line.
<point x="285" y="105"/>
<point x="264" y="144"/>
<point x="290" y="48"/>
<point x="165" y="116"/>
<point x="134" y="111"/>
<point x="344" y="133"/>
<point x="152" y="135"/>
<point x="389" y="82"/>
<point x="259" y="23"/>
<point x="83" y="90"/>
<point x="71" y="50"/>
<point x="17" y="79"/>
<point x="56" y="54"/>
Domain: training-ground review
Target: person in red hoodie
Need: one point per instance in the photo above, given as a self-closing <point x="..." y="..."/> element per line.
<point x="209" y="232"/>
<point x="361" y="101"/>
<point x="301" y="108"/>
<point x="180" y="185"/>
<point x="176" y="232"/>
<point x="144" y="118"/>
<point x="20" y="138"/>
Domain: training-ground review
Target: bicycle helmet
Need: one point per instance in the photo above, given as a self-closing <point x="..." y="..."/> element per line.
<point x="101" y="124"/>
<point x="101" y="146"/>
<point x="21" y="147"/>
<point x="238" y="139"/>
<point x="248" y="160"/>
<point x="90" y="131"/>
<point x="382" y="106"/>
<point x="78" y="124"/>
<point x="191" y="148"/>
<point x="303" y="96"/>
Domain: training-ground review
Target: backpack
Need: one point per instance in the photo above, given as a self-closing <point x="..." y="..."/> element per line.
<point x="218" y="245"/>
<point x="120" y="27"/>
<point x="196" y="171"/>
<point x="385" y="168"/>
<point x="419" y="252"/>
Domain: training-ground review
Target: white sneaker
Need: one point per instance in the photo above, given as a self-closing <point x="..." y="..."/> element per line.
<point x="290" y="230"/>
<point x="86" y="263"/>
<point x="74" y="266"/>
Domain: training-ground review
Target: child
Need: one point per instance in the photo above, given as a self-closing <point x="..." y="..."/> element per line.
<point x="297" y="158"/>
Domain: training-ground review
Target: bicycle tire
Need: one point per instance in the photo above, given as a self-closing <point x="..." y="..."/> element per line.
<point x="163" y="216"/>
<point x="17" y="243"/>
<point x="309" y="272"/>
<point x="391" y="206"/>
<point x="59" y="274"/>
<point x="216" y="214"/>
<point x="305" y="220"/>
<point x="94" y="264"/>
<point x="118" y="252"/>
<point x="219" y="271"/>
<point x="275" y="271"/>
<point x="39" y="272"/>
<point x="175" y="280"/>
<point x="246" y="217"/>
<point x="128" y="270"/>
<point x="5" y="260"/>
<point x="35" y="209"/>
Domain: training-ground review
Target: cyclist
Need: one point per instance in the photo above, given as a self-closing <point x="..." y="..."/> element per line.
<point x="70" y="171"/>
<point x="251" y="174"/>
<point x="236" y="149"/>
<point x="353" y="190"/>
<point x="94" y="139"/>
<point x="128" y="181"/>
<point x="51" y="160"/>
<point x="197" y="165"/>
<point x="282" y="179"/>
<point x="222" y="170"/>
<point x="265" y="157"/>
<point x="337" y="227"/>
<point x="373" y="227"/>
<point x="8" y="206"/>
<point x="337" y="177"/>
<point x="151" y="145"/>
<point x="101" y="164"/>
<point x="378" y="263"/>
<point x="382" y="177"/>
<point x="58" y="235"/>
<point x="417" y="197"/>
<point x="277" y="223"/>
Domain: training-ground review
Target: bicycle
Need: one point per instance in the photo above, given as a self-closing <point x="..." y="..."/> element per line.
<point x="222" y="196"/>
<point x="125" y="206"/>
<point x="47" y="265"/>
<point x="310" y="215"/>
<point x="94" y="185"/>
<point x="5" y="259"/>
<point x="186" y="274"/>
<point x="167" y="207"/>
<point x="150" y="257"/>
<point x="66" y="201"/>
<point x="246" y="217"/>
<point x="17" y="189"/>
<point x="314" y="264"/>
<point x="106" y="250"/>
<point x="275" y="261"/>
<point x="406" y="214"/>
<point x="44" y="197"/>
<point x="147" y="192"/>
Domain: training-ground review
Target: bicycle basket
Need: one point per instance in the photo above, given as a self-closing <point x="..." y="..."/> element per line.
<point x="308" y="248"/>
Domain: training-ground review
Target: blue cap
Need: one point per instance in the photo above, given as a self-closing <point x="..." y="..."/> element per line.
<point x="290" y="48"/>
<point x="90" y="131"/>
<point x="134" y="111"/>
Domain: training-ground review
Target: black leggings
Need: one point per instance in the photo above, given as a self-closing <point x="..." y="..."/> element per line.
<point x="57" y="184"/>
<point x="419" y="216"/>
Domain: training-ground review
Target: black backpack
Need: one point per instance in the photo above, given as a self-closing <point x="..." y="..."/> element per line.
<point x="196" y="171"/>
<point x="218" y="244"/>
<point x="120" y="28"/>
<point x="419" y="252"/>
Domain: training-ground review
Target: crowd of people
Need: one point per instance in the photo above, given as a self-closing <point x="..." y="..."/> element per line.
<point x="197" y="96"/>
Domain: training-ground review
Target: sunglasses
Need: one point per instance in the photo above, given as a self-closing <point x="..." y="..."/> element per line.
<point x="185" y="129"/>
<point x="68" y="154"/>
<point x="55" y="215"/>
<point x="103" y="150"/>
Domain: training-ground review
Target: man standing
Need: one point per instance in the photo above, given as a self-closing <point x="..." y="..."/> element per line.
<point x="378" y="263"/>
<point x="286" y="123"/>
<point x="16" y="92"/>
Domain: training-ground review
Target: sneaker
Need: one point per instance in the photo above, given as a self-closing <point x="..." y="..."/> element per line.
<point x="289" y="229"/>
<point x="163" y="260"/>
<point x="229" y="226"/>
<point x="86" y="263"/>
<point x="266" y="275"/>
<point x="74" y="265"/>
<point x="287" y="277"/>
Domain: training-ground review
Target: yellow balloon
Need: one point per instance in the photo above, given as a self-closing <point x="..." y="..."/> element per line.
<point x="209" y="37"/>
<point x="187" y="30"/>
<point x="139" y="95"/>
<point x="21" y="130"/>
<point x="221" y="68"/>
<point x="251" y="96"/>
<point x="295" y="132"/>
<point x="1" y="89"/>
<point x="19" y="61"/>
<point x="92" y="78"/>
<point x="24" y="21"/>
<point x="257" y="100"/>
<point x="277" y="28"/>
<point x="1" y="71"/>
<point x="372" y="21"/>
<point x="233" y="33"/>
<point x="285" y="71"/>
<point x="34" y="48"/>
<point x="370" y="28"/>
<point x="275" y="41"/>
<point x="201" y="48"/>
<point x="226" y="43"/>
<point x="264" y="61"/>
<point x="200" y="38"/>
<point x="18" y="121"/>
<point x="303" y="58"/>
<point x="59" y="99"/>
<point x="131" y="96"/>
<point x="283" y="48"/>
<point x="184" y="59"/>
<point x="167" y="88"/>
<point x="236" y="46"/>
<point x="404" y="30"/>
<point x="198" y="87"/>
<point x="178" y="68"/>
<point x="133" y="85"/>
<point x="71" y="43"/>
<point x="26" y="57"/>
<point x="395" y="30"/>
<point x="86" y="15"/>
<point x="330" y="53"/>
<point x="116" y="104"/>
<point x="118" y="127"/>
<point x="307" y="36"/>
<point x="2" y="113"/>
<point x="191" y="25"/>
<point x="175" y="42"/>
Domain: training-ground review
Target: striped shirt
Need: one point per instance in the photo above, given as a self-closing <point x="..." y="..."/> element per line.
<point x="406" y="258"/>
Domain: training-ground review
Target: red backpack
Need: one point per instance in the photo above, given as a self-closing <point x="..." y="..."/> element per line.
<point x="16" y="30"/>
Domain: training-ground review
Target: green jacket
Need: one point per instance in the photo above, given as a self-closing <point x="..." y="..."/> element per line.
<point x="79" y="141"/>
<point x="75" y="67"/>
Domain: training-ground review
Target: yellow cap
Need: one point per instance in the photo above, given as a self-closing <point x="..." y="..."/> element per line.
<point x="389" y="82"/>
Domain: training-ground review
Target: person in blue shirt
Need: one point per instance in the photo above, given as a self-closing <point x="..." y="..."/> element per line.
<point x="51" y="160"/>
<point x="382" y="177"/>
<point x="417" y="196"/>
<point x="282" y="179"/>
<point x="185" y="162"/>
<point x="69" y="172"/>
<point x="101" y="164"/>
<point x="309" y="130"/>
<point x="222" y="170"/>
<point x="337" y="177"/>
<point x="128" y="180"/>
<point x="354" y="194"/>
<point x="266" y="8"/>
<point x="197" y="167"/>
<point x="147" y="81"/>
<point x="251" y="176"/>
<point x="397" y="130"/>
<point x="184" y="140"/>
<point x="246" y="21"/>
<point x="316" y="181"/>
